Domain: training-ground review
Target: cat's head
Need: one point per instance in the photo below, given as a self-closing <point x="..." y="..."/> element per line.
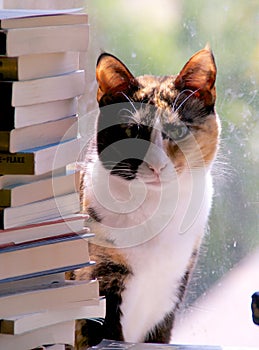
<point x="148" y="123"/>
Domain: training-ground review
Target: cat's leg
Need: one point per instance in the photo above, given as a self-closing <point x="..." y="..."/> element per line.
<point x="161" y="333"/>
<point x="111" y="270"/>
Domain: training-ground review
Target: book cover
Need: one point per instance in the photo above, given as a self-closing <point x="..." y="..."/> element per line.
<point x="13" y="180"/>
<point x="20" y="194"/>
<point x="27" y="284"/>
<point x="40" y="274"/>
<point x="29" y="92"/>
<point x="62" y="333"/>
<point x="44" y="5"/>
<point x="53" y="296"/>
<point x="39" y="211"/>
<point x="46" y="254"/>
<point x="46" y="229"/>
<point x="19" y="324"/>
<point x="40" y="160"/>
<point x="26" y="41"/>
<point x="34" y="136"/>
<point x="30" y="66"/>
<point x="19" y="117"/>
<point x="23" y="18"/>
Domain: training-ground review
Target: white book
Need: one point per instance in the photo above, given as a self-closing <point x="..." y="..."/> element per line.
<point x="33" y="136"/>
<point x="27" y="41"/>
<point x="55" y="88"/>
<point x="30" y="258"/>
<point x="28" y="18"/>
<point x="63" y="333"/>
<point x="39" y="211"/>
<point x="46" y="229"/>
<point x="43" y="4"/>
<point x="54" y="296"/>
<point x="43" y="112"/>
<point x="29" y="67"/>
<point x="31" y="283"/>
<point x="40" y="160"/>
<point x="18" y="194"/>
<point x="91" y="308"/>
<point x="13" y="180"/>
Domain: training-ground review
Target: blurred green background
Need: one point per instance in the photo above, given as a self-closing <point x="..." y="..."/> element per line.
<point x="158" y="37"/>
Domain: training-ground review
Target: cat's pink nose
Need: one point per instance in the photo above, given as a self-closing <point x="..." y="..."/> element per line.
<point x="157" y="169"/>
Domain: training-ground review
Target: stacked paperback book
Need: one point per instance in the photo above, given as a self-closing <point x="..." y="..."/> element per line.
<point x="42" y="234"/>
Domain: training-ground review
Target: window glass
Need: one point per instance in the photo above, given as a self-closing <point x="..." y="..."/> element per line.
<point x="157" y="37"/>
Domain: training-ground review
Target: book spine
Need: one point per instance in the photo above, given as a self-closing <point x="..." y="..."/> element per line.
<point x="4" y="141"/>
<point x="6" y="110"/>
<point x="8" y="68"/>
<point x="16" y="163"/>
<point x="3" y="42"/>
<point x="5" y="198"/>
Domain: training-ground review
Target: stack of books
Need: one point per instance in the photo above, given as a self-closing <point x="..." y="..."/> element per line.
<point x="42" y="234"/>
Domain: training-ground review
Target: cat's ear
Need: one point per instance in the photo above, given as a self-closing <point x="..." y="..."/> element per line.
<point x="199" y="75"/>
<point x="115" y="81"/>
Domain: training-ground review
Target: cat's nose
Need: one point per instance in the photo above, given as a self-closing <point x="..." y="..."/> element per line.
<point x="157" y="169"/>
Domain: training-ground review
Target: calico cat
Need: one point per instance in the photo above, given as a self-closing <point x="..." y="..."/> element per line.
<point x="148" y="190"/>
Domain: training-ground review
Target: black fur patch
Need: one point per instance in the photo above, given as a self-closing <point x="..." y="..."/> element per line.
<point x="111" y="278"/>
<point x="93" y="214"/>
<point x="162" y="331"/>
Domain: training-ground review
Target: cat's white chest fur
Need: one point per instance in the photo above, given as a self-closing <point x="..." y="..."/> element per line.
<point x="157" y="227"/>
<point x="159" y="264"/>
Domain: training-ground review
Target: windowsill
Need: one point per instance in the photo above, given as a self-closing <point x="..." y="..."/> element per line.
<point x="223" y="316"/>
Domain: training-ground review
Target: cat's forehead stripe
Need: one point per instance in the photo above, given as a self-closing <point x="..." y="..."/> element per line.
<point x="158" y="90"/>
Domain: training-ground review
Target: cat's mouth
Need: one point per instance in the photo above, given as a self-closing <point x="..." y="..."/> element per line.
<point x="151" y="180"/>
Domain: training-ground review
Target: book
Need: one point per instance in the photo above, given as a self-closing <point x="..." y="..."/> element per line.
<point x="52" y="347"/>
<point x="40" y="274"/>
<point x="60" y="333"/>
<point x="45" y="229"/>
<point x="112" y="345"/>
<point x="45" y="254"/>
<point x="40" y="160"/>
<point x="18" y="117"/>
<point x="13" y="180"/>
<point x="30" y="66"/>
<point x="19" y="324"/>
<point x="40" y="299"/>
<point x="27" y="284"/>
<point x="27" y="18"/>
<point x="29" y="92"/>
<point x="34" y="136"/>
<point x="43" y="4"/>
<point x="26" y="41"/>
<point x="20" y="194"/>
<point x="39" y="211"/>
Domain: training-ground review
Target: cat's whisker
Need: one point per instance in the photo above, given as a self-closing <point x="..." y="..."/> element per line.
<point x="187" y="98"/>
<point x="131" y="115"/>
<point x="130" y="101"/>
<point x="178" y="96"/>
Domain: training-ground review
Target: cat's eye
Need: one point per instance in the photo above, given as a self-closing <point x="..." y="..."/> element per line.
<point x="175" y="132"/>
<point x="131" y="130"/>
